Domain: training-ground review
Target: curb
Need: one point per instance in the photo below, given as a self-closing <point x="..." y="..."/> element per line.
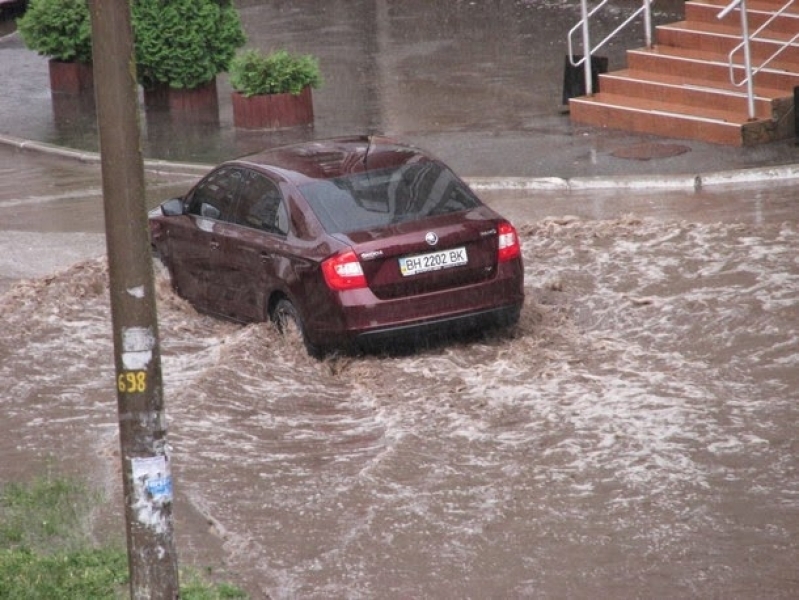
<point x="640" y="182"/>
<point x="154" y="165"/>
<point x="643" y="182"/>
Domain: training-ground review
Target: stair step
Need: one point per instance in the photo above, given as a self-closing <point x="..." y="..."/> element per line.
<point x="706" y="11"/>
<point x="657" y="106"/>
<point x="762" y="5"/>
<point x="666" y="119"/>
<point x="710" y="66"/>
<point x="774" y="4"/>
<point x="723" y="38"/>
<point x="680" y="90"/>
<point x="724" y="86"/>
<point x="681" y="87"/>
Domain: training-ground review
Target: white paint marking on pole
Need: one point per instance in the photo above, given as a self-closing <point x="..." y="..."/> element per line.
<point x="137" y="292"/>
<point x="137" y="348"/>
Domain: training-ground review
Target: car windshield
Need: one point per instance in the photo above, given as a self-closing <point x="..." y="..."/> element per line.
<point x="381" y="197"/>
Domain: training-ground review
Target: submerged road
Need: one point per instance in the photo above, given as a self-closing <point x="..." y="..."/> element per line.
<point x="633" y="438"/>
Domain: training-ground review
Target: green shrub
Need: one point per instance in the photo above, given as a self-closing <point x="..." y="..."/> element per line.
<point x="60" y="29"/>
<point x="184" y="43"/>
<point x="253" y="73"/>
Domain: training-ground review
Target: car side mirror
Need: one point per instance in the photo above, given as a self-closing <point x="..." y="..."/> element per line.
<point x="173" y="207"/>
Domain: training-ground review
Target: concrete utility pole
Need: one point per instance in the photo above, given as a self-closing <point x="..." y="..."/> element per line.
<point x="147" y="479"/>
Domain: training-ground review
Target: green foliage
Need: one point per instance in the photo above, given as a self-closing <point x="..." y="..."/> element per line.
<point x="45" y="553"/>
<point x="60" y="29"/>
<point x="43" y="514"/>
<point x="43" y="547"/>
<point x="253" y="73"/>
<point x="194" y="587"/>
<point x="181" y="43"/>
<point x="184" y="43"/>
<point x="87" y="573"/>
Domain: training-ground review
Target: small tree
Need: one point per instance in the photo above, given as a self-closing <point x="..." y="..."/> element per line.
<point x="184" y="43"/>
<point x="60" y="29"/>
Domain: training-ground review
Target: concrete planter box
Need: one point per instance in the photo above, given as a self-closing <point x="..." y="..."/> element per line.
<point x="273" y="111"/>
<point x="70" y="77"/>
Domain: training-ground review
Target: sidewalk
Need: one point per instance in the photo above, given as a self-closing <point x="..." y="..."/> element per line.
<point x="465" y="88"/>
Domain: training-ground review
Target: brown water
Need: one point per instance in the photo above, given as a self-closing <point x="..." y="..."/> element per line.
<point x="635" y="437"/>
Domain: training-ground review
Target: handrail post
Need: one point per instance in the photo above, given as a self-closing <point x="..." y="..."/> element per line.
<point x="748" y="77"/>
<point x="750" y="85"/>
<point x="648" y="22"/>
<point x="589" y="84"/>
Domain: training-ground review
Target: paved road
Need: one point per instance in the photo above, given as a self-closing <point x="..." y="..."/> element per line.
<point x="51" y="211"/>
<point x="44" y="197"/>
<point x="635" y="437"/>
<point x="477" y="83"/>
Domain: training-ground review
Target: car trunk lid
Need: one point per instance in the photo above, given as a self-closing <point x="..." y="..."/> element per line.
<point x="413" y="258"/>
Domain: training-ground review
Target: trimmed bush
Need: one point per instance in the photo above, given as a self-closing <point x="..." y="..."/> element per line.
<point x="253" y="73"/>
<point x="184" y="43"/>
<point x="60" y="29"/>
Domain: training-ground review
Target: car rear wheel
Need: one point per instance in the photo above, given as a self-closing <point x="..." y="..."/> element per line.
<point x="289" y="324"/>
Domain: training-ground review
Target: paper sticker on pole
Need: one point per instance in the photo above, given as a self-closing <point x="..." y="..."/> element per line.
<point x="152" y="490"/>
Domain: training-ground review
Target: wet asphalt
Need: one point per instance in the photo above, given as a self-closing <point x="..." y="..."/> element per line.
<point x="480" y="84"/>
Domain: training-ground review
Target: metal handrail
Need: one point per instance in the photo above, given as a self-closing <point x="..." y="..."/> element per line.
<point x="745" y="45"/>
<point x="646" y="9"/>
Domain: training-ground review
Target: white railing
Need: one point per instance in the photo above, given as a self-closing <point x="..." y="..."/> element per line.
<point x="583" y="25"/>
<point x="745" y="45"/>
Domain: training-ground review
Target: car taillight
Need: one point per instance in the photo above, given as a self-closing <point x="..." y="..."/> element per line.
<point x="343" y="272"/>
<point x="509" y="247"/>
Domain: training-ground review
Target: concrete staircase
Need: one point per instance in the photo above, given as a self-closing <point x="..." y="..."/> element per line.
<point x="681" y="87"/>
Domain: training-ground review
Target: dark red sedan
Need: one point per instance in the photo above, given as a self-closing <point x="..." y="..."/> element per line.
<point x="352" y="240"/>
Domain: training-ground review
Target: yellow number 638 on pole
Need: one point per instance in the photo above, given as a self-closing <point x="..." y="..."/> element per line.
<point x="131" y="382"/>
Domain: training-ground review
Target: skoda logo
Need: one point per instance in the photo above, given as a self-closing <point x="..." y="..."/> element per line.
<point x="431" y="238"/>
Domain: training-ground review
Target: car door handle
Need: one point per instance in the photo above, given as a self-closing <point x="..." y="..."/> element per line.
<point x="266" y="256"/>
<point x="214" y="245"/>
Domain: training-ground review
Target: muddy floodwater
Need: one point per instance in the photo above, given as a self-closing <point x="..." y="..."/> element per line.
<point x="634" y="437"/>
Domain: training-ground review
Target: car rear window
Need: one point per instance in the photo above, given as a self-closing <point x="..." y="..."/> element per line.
<point x="382" y="197"/>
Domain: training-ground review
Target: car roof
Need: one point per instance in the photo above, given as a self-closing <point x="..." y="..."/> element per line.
<point x="337" y="157"/>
